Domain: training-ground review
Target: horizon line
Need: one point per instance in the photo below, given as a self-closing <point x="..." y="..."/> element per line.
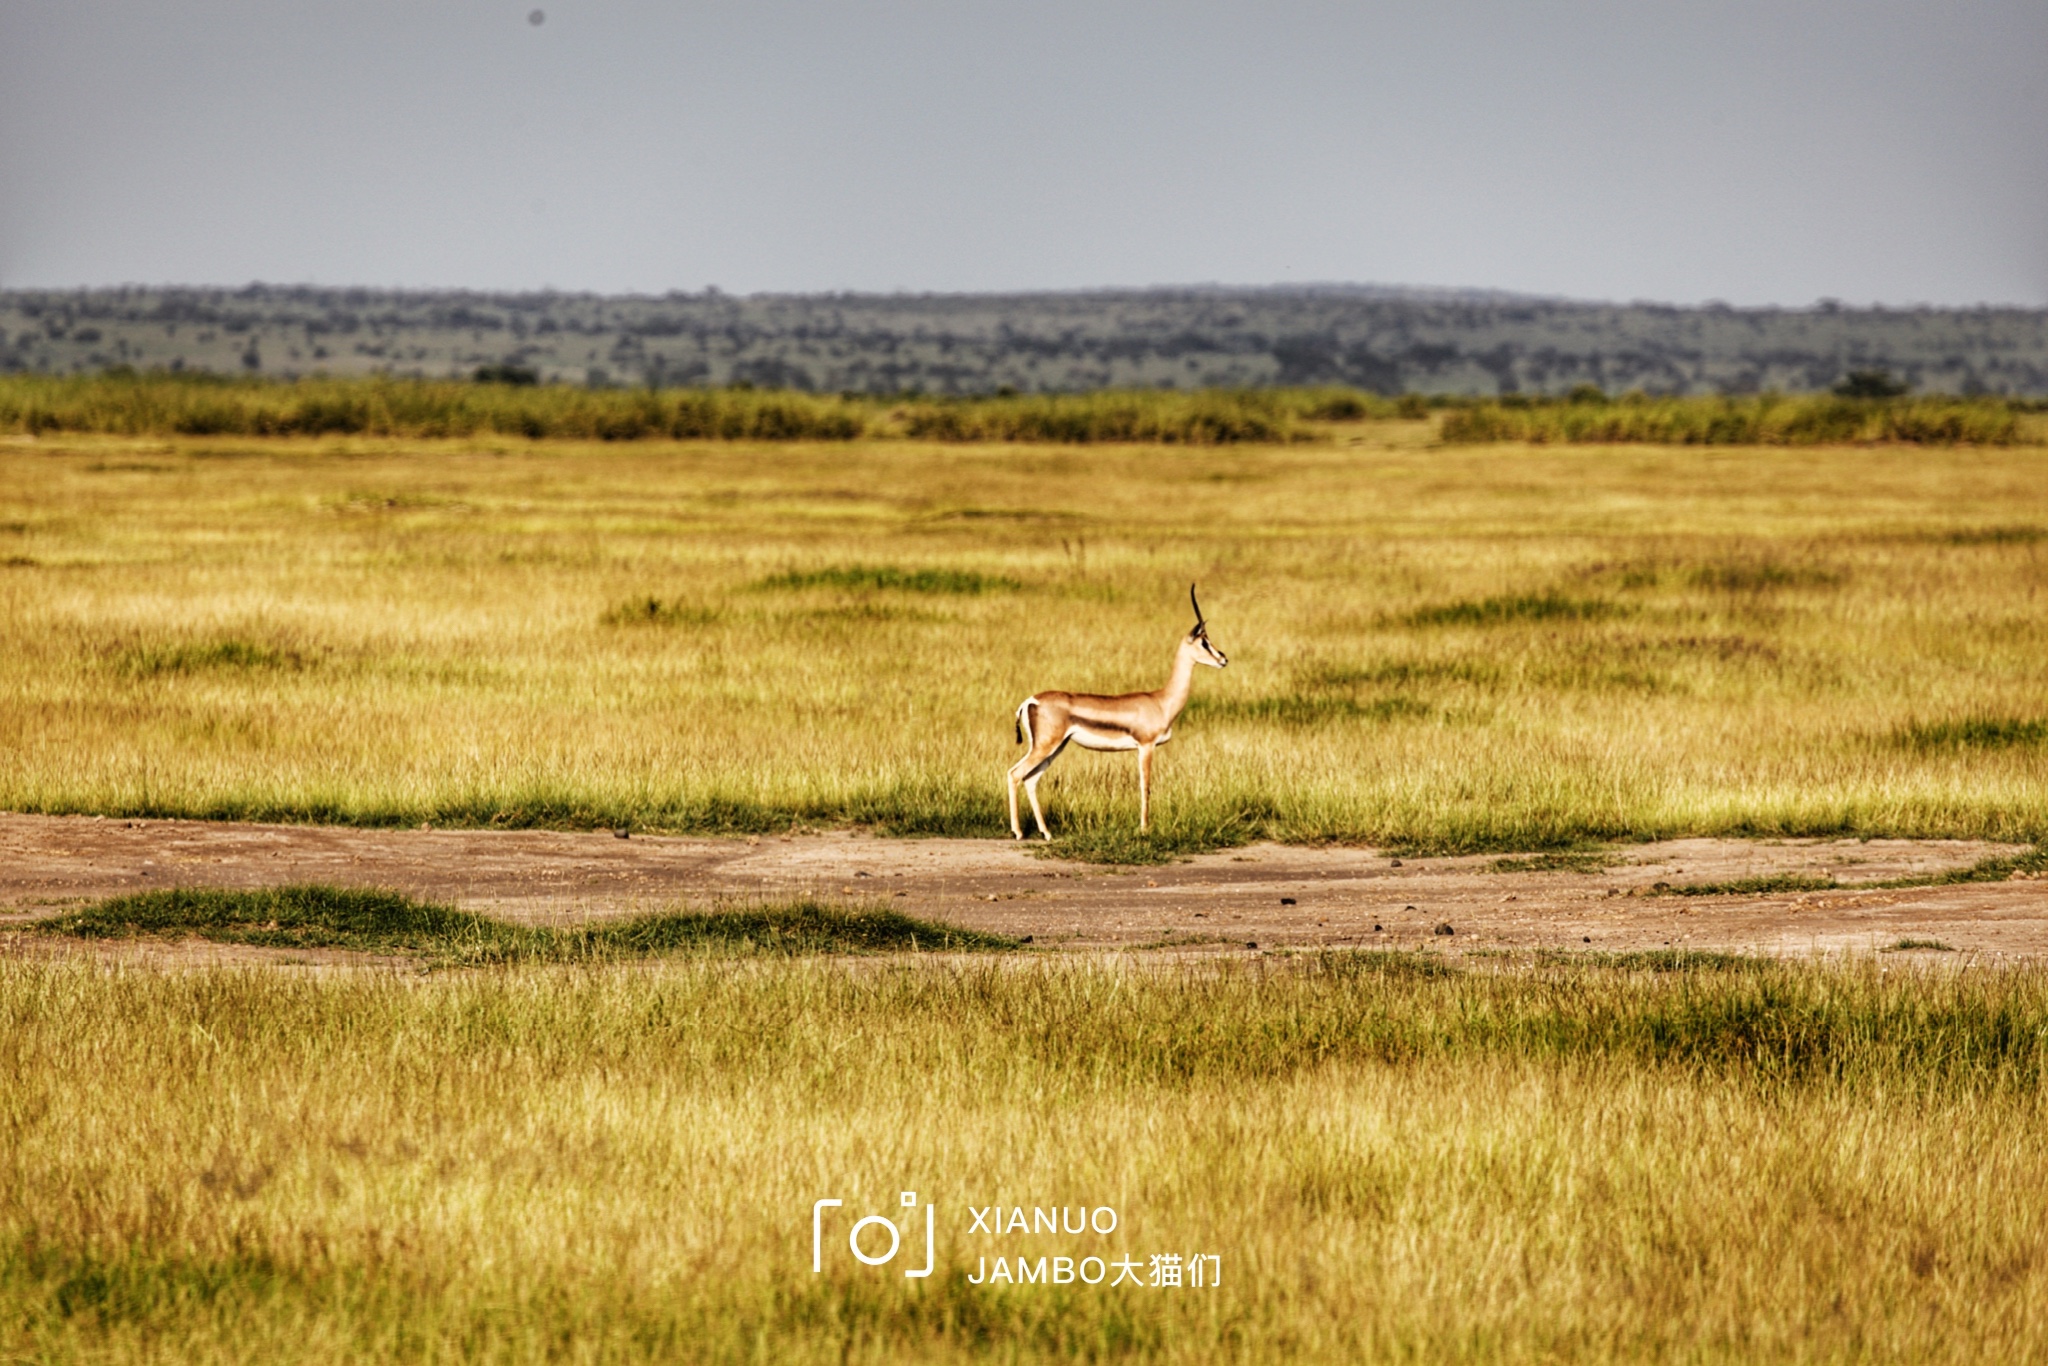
<point x="1392" y="292"/>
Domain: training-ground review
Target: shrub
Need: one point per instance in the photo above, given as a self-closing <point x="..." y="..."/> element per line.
<point x="1870" y="384"/>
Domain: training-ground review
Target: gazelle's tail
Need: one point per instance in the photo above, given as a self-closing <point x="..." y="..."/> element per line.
<point x="1023" y="707"/>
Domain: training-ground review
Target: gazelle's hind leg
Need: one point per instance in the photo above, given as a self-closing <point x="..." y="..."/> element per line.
<point x="1028" y="770"/>
<point x="1037" y="811"/>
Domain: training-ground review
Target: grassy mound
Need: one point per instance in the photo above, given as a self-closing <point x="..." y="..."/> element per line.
<point x="369" y="921"/>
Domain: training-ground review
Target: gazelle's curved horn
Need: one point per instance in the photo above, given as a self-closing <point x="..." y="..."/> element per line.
<point x="1197" y="606"/>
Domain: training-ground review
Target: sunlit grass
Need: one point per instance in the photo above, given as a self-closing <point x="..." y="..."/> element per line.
<point x="1500" y="648"/>
<point x="1622" y="1158"/>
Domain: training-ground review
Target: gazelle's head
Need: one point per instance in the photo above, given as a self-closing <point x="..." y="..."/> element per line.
<point x="1197" y="642"/>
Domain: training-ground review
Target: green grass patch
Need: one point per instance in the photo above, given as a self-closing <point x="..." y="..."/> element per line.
<point x="1110" y="839"/>
<point x="966" y="811"/>
<point x="1763" y="575"/>
<point x="1998" y="868"/>
<point x="1914" y="945"/>
<point x="1112" y="844"/>
<point x="1558" y="861"/>
<point x="381" y="922"/>
<point x="1748" y="886"/>
<point x="1174" y="939"/>
<point x="1657" y="960"/>
<point x="232" y="655"/>
<point x="1512" y="611"/>
<point x="889" y="578"/>
<point x="653" y="611"/>
<point x="1307" y="709"/>
<point x="1974" y="732"/>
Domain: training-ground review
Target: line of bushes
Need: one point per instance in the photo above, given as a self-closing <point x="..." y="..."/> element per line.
<point x="1167" y="417"/>
<point x="1762" y="420"/>
<point x="157" y="404"/>
<point x="196" y="405"/>
<point x="125" y="403"/>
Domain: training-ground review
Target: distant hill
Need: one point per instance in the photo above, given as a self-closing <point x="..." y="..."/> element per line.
<point x="1380" y="339"/>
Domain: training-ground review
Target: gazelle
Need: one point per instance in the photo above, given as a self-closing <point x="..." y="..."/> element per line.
<point x="1135" y="720"/>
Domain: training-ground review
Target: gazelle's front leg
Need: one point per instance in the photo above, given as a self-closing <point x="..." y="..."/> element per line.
<point x="1144" y="787"/>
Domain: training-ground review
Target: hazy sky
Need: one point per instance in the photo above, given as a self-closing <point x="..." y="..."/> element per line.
<point x="1758" y="151"/>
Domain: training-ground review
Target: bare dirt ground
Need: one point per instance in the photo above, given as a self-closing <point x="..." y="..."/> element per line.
<point x="1268" y="896"/>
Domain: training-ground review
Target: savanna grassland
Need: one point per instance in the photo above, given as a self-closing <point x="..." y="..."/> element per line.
<point x="1451" y="647"/>
<point x="1646" y="1159"/>
<point x="602" y="1142"/>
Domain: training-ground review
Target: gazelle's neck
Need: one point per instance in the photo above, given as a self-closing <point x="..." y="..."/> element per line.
<point x="1174" y="695"/>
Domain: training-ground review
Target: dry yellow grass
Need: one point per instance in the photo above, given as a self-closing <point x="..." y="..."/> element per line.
<point x="1456" y="647"/>
<point x="1570" y="1163"/>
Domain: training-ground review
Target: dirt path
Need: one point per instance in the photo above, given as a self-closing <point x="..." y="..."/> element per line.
<point x="1270" y="895"/>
